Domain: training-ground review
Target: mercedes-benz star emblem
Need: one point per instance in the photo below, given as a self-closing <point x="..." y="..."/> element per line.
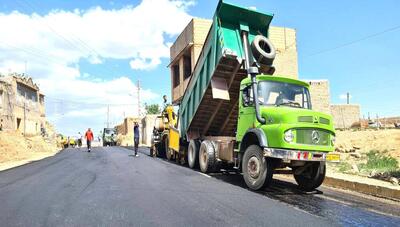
<point x="315" y="137"/>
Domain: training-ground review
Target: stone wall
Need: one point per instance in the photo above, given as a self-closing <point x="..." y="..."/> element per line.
<point x="190" y="43"/>
<point x="320" y="95"/>
<point x="147" y="128"/>
<point x="284" y="41"/>
<point x="345" y="115"/>
<point x="146" y="125"/>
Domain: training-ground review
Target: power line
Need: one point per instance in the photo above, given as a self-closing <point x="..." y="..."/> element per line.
<point x="71" y="42"/>
<point x="89" y="103"/>
<point x="346" y="44"/>
<point x="355" y="41"/>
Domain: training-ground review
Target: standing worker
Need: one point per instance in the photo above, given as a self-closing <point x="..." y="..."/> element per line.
<point x="136" y="138"/>
<point x="79" y="137"/>
<point x="89" y="138"/>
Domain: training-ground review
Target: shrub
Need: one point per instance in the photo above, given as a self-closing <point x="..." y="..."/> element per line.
<point x="380" y="162"/>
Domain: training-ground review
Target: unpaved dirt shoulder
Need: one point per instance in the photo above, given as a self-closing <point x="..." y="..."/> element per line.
<point x="16" y="150"/>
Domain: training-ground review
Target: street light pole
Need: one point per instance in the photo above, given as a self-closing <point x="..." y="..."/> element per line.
<point x="138" y="97"/>
<point x="108" y="116"/>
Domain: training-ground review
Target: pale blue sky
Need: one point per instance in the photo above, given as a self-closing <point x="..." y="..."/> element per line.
<point x="353" y="44"/>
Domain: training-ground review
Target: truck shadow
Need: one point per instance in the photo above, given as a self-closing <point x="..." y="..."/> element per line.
<point x="283" y="191"/>
<point x="277" y="188"/>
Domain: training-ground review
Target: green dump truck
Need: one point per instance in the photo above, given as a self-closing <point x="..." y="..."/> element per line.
<point x="236" y="113"/>
<point x="109" y="137"/>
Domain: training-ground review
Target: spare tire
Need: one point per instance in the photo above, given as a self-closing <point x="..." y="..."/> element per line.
<point x="263" y="50"/>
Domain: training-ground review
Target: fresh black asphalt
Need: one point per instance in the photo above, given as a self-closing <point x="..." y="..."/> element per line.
<point x="110" y="187"/>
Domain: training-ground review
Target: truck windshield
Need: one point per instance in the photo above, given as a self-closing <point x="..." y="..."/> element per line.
<point x="109" y="131"/>
<point x="283" y="94"/>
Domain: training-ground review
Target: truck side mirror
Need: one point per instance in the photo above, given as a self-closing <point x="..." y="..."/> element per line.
<point x="247" y="96"/>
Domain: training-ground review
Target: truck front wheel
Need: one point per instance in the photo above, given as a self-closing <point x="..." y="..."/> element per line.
<point x="207" y="159"/>
<point x="311" y="177"/>
<point x="193" y="154"/>
<point x="257" y="170"/>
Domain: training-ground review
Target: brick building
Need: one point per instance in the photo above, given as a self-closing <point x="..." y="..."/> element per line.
<point x="21" y="104"/>
<point x="344" y="115"/>
<point x="187" y="48"/>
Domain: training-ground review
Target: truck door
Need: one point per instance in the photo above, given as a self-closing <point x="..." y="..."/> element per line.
<point x="246" y="115"/>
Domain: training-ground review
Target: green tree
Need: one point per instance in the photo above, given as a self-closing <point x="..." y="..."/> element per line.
<point x="152" y="109"/>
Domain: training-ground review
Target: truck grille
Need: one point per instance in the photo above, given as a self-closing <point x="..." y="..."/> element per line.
<point x="308" y="119"/>
<point x="323" y="120"/>
<point x="312" y="137"/>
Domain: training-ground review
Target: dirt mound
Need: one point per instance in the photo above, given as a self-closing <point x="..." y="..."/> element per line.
<point x="15" y="147"/>
<point x="366" y="140"/>
<point x="369" y="153"/>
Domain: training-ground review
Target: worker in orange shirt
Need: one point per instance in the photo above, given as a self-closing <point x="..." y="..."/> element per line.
<point x="89" y="138"/>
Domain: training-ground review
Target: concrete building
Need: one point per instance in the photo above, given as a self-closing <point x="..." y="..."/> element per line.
<point x="344" y="115"/>
<point x="320" y="95"/>
<point x="187" y="48"/>
<point x="22" y="105"/>
<point x="146" y="125"/>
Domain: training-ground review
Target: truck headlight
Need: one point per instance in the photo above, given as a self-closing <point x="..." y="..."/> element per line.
<point x="333" y="140"/>
<point x="289" y="136"/>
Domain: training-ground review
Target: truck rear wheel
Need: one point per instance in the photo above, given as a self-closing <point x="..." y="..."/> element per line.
<point x="257" y="170"/>
<point x="311" y="177"/>
<point x="168" y="152"/>
<point x="207" y="159"/>
<point x="193" y="154"/>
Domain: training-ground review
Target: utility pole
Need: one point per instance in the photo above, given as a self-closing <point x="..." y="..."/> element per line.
<point x="138" y="97"/>
<point x="348" y="98"/>
<point x="108" y="116"/>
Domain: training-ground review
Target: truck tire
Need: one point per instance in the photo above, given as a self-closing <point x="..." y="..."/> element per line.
<point x="152" y="151"/>
<point x="257" y="170"/>
<point x="168" y="152"/>
<point x="193" y="154"/>
<point x="207" y="158"/>
<point x="160" y="150"/>
<point x="263" y="50"/>
<point x="312" y="177"/>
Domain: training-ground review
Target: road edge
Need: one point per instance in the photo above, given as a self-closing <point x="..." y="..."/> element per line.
<point x="20" y="163"/>
<point x="368" y="189"/>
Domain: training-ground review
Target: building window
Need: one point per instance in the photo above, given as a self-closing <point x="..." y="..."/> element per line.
<point x="27" y="92"/>
<point x="175" y="75"/>
<point x="187" y="66"/>
<point x="41" y="99"/>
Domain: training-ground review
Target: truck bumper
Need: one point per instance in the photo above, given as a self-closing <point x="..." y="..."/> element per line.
<point x="298" y="155"/>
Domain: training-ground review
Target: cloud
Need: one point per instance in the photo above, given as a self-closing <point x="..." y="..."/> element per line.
<point x="51" y="46"/>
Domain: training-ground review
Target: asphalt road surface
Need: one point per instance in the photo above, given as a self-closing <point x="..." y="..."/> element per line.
<point x="109" y="187"/>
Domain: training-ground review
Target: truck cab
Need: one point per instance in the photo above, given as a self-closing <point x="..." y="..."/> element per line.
<point x="293" y="135"/>
<point x="109" y="137"/>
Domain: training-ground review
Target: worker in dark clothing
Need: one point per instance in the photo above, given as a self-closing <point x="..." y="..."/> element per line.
<point x="136" y="138"/>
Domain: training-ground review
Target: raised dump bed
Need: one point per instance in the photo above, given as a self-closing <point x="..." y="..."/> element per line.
<point x="211" y="98"/>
